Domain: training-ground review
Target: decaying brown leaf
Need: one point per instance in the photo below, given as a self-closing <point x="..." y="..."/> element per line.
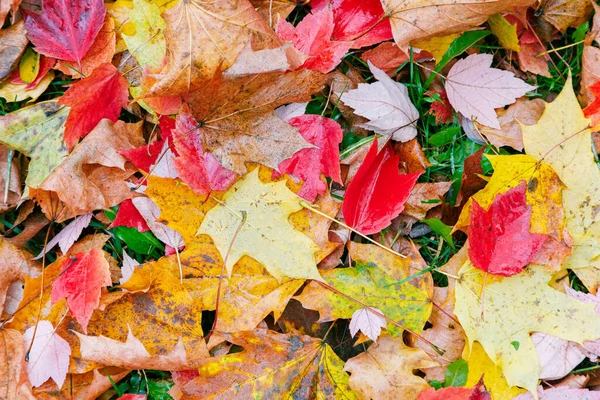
<point x="13" y="41"/>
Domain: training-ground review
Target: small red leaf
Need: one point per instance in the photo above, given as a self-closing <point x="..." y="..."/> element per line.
<point x="145" y="156"/>
<point x="500" y="241"/>
<point x="66" y="29"/>
<point x="312" y="37"/>
<point x="592" y="111"/>
<point x="441" y="109"/>
<point x="378" y="192"/>
<point x="100" y="95"/>
<point x="478" y="392"/>
<point x="129" y="216"/>
<point x="201" y="171"/>
<point x="80" y="281"/>
<point x="308" y="164"/>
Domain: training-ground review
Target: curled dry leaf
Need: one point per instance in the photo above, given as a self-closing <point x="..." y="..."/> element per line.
<point x="12" y="45"/>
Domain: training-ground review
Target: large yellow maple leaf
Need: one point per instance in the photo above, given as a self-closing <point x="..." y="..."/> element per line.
<point x="561" y="138"/>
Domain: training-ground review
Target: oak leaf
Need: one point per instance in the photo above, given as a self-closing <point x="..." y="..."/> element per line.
<point x="378" y="192"/>
<point x="309" y="164"/>
<point x="37" y="132"/>
<point x="273" y="365"/>
<point x="100" y="95"/>
<point x="561" y="139"/>
<point x="65" y="29"/>
<point x="415" y="20"/>
<point x="385" y="370"/>
<point x="517" y="317"/>
<point x="475" y="89"/>
<point x="265" y="233"/>
<point x="48" y="356"/>
<point x="500" y="241"/>
<point x="387" y="106"/>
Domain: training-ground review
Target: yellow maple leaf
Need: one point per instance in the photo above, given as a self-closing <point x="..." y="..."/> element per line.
<point x="561" y="139"/>
<point x="437" y="45"/>
<point x="266" y="234"/>
<point x="513" y="308"/>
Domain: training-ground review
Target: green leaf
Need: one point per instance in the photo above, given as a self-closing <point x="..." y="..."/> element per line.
<point x="515" y="344"/>
<point x="444" y="136"/>
<point x="441" y="229"/>
<point x="138" y="242"/>
<point x="457" y="373"/>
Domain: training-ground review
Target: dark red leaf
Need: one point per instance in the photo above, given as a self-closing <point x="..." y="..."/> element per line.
<point x="130" y="217"/>
<point x="308" y="164"/>
<point x="66" y="29"/>
<point x="441" y="109"/>
<point x="145" y="156"/>
<point x="500" y="241"/>
<point x="201" y="171"/>
<point x="478" y="392"/>
<point x="100" y="95"/>
<point x="378" y="192"/>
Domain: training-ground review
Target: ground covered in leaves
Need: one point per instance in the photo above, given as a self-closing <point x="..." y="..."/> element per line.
<point x="266" y="199"/>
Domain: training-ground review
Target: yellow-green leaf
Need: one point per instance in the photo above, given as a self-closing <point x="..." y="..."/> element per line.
<point x="147" y="44"/>
<point x="505" y="32"/>
<point x="19" y="92"/>
<point x="29" y="66"/>
<point x="512" y="309"/>
<point x="266" y="234"/>
<point x="37" y="132"/>
<point x="561" y="139"/>
<point x="437" y="45"/>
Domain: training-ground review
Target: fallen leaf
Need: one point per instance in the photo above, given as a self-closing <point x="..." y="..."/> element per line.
<point x="13" y="376"/>
<point x="309" y="164"/>
<point x="367" y="322"/>
<point x="590" y="71"/>
<point x="404" y="303"/>
<point x="415" y="20"/>
<point x="366" y="208"/>
<point x="557" y="357"/>
<point x="387" y="57"/>
<point x="312" y="37"/>
<point x="505" y="32"/>
<point x="441" y="107"/>
<point x="37" y="132"/>
<point x="12" y="92"/>
<point x="129" y="216"/>
<point x="526" y="112"/>
<point x="144" y="157"/>
<point x="6" y="7"/>
<point x="437" y="45"/>
<point x="48" y="356"/>
<point x="500" y="241"/>
<point x="54" y="33"/>
<point x="199" y="169"/>
<point x="147" y="45"/>
<point x="151" y="213"/>
<point x="475" y="89"/>
<point x="264" y="233"/>
<point x="100" y="95"/>
<point x="11" y="172"/>
<point x="205" y="37"/>
<point x="101" y="52"/>
<point x="67" y="236"/>
<point x="282" y="366"/>
<point x="91" y="178"/>
<point x="528" y="60"/>
<point x="386" y="370"/>
<point x="518" y="317"/>
<point x="12" y="45"/>
<point x="82" y="277"/>
<point x="387" y="106"/>
<point x="592" y="111"/>
<point x="565" y="14"/>
<point x="560" y="394"/>
<point x="412" y="156"/>
<point x="425" y="196"/>
<point x="478" y="392"/>
<point x="560" y="137"/>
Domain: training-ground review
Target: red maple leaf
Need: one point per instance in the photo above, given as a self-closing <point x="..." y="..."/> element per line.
<point x="592" y="111"/>
<point x="100" y="95"/>
<point x="500" y="241"/>
<point x="478" y="392"/>
<point x="378" y="192"/>
<point x="360" y="21"/>
<point x="308" y="164"/>
<point x="145" y="156"/>
<point x="312" y="37"/>
<point x="130" y="217"/>
<point x="65" y="29"/>
<point x="81" y="278"/>
<point x="441" y="109"/>
<point x="201" y="171"/>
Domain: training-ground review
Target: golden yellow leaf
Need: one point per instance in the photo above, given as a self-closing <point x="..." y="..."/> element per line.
<point x="512" y="309"/>
<point x="561" y="139"/>
<point x="505" y="32"/>
<point x="386" y="370"/>
<point x="19" y="92"/>
<point x="252" y="220"/>
<point x="481" y="365"/>
<point x="437" y="45"/>
<point x="147" y="44"/>
<point x="272" y="366"/>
